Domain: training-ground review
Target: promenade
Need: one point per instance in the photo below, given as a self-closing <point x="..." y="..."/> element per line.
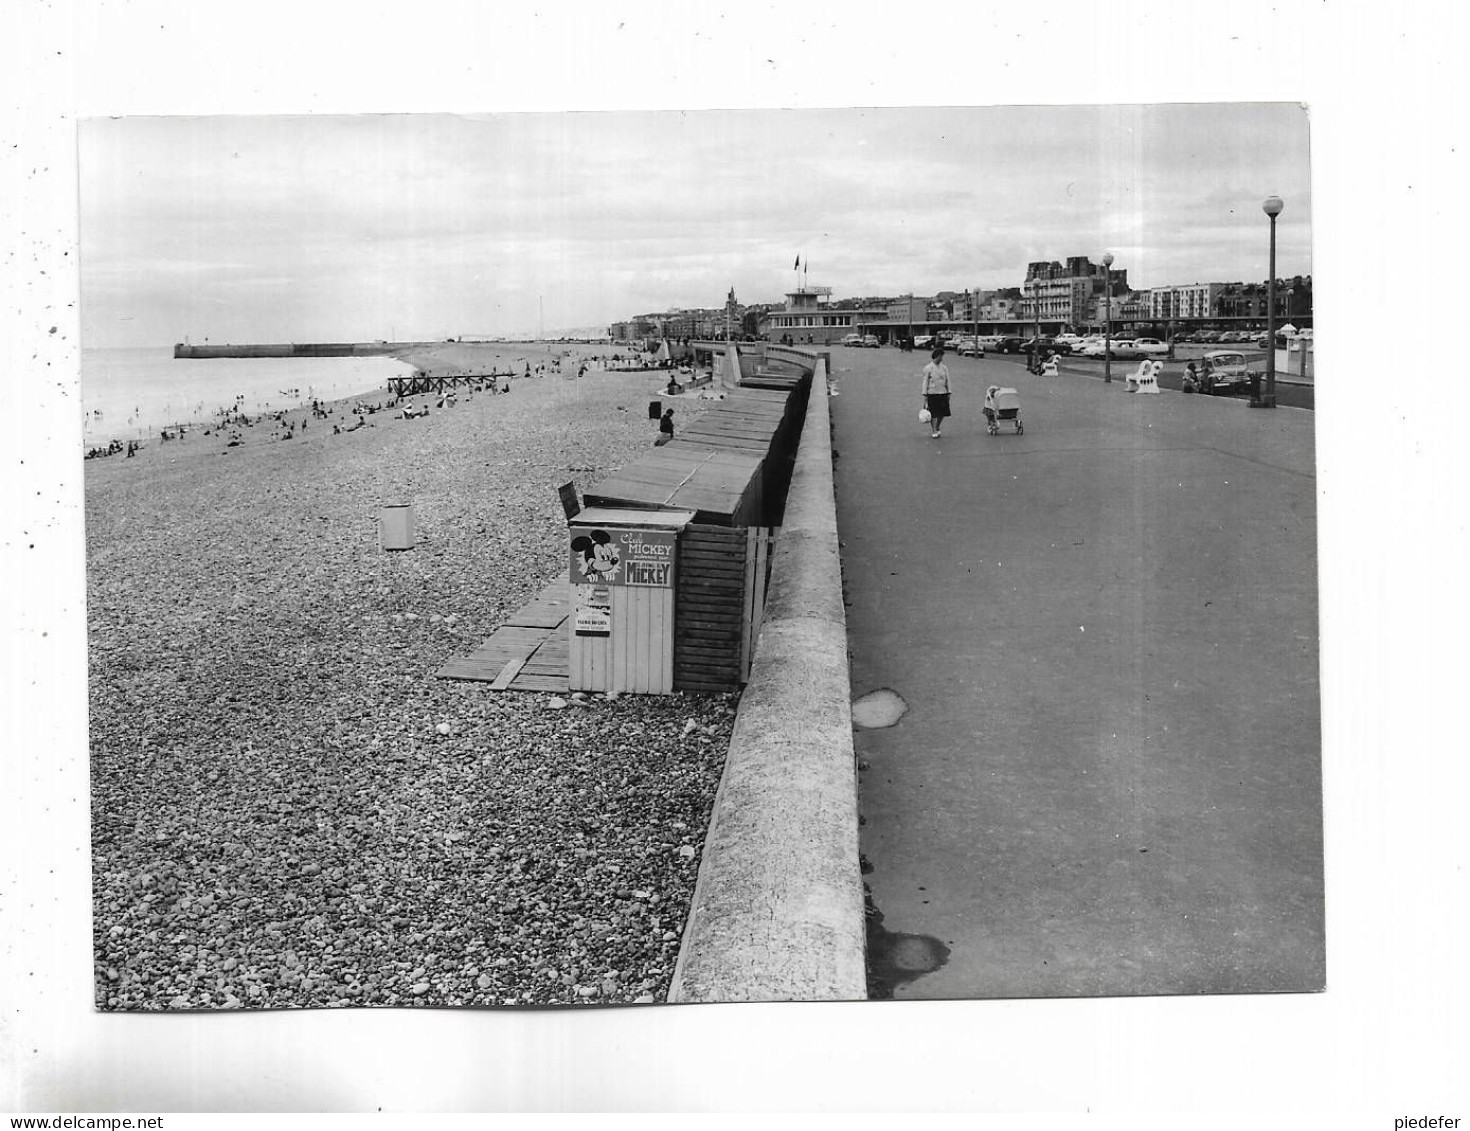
<point x="1108" y="779"/>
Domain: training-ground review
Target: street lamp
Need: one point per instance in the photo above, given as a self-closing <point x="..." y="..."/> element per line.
<point x="1035" y="363"/>
<point x="1108" y="318"/>
<point x="1272" y="207"/>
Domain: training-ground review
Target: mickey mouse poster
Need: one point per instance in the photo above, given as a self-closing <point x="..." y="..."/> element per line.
<point x="595" y="557"/>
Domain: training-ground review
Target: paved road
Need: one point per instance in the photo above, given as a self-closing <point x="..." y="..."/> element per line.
<point x="1108" y="778"/>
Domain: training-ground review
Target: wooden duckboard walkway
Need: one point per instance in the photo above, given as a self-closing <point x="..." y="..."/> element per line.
<point x="530" y="652"/>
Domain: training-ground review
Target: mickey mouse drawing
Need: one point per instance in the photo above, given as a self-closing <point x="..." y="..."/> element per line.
<point x="599" y="556"/>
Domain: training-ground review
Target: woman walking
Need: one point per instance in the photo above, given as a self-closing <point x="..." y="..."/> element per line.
<point x="935" y="391"/>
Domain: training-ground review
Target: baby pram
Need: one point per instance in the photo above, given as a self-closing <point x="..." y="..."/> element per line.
<point x="1002" y="404"/>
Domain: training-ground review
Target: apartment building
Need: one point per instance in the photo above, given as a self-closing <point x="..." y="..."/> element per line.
<point x="1064" y="292"/>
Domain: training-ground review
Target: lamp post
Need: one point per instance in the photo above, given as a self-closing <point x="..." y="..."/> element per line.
<point x="1034" y="364"/>
<point x="1271" y="206"/>
<point x="1108" y="318"/>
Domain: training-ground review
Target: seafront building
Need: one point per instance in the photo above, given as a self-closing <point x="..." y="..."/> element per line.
<point x="908" y="312"/>
<point x="1248" y="300"/>
<point x="1064" y="294"/>
<point x="809" y="319"/>
<point x="1055" y="296"/>
<point x="1197" y="300"/>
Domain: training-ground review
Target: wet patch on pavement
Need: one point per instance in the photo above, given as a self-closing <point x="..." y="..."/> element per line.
<point x="896" y="959"/>
<point x="881" y="708"/>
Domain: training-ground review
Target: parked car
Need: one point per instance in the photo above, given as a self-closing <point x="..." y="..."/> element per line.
<point x="870" y="341"/>
<point x="1045" y="343"/>
<point x="1072" y="341"/>
<point x="852" y="339"/>
<point x="1121" y="348"/>
<point x="1228" y="372"/>
<point x="1010" y="343"/>
<point x="923" y="341"/>
<point x="967" y="346"/>
<point x="1151" y="347"/>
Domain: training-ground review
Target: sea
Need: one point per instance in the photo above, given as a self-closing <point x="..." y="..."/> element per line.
<point x="135" y="393"/>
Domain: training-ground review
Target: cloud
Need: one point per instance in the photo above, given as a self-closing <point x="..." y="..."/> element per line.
<point x="318" y="226"/>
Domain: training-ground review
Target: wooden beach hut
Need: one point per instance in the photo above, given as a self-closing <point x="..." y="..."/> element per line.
<point x="706" y="506"/>
<point x="729" y="469"/>
<point x="721" y="488"/>
<point x="623" y="570"/>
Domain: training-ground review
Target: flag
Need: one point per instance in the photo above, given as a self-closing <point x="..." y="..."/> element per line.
<point x="797" y="263"/>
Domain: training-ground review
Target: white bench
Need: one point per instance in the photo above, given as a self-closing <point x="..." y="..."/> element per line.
<point x="1145" y="379"/>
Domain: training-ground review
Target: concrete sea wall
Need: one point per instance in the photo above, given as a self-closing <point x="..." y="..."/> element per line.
<point x="777" y="913"/>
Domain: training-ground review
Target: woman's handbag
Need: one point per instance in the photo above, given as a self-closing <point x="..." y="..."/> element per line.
<point x="924" y="416"/>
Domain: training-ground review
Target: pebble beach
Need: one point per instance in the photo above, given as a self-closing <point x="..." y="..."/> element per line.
<point x="288" y="809"/>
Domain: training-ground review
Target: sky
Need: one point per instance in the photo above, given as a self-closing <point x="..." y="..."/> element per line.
<point x="363" y="227"/>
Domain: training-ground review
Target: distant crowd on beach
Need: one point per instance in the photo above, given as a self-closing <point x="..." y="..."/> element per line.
<point x="112" y="449"/>
<point x="233" y="423"/>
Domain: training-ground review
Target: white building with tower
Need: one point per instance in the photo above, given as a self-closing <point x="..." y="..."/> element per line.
<point x="806" y="319"/>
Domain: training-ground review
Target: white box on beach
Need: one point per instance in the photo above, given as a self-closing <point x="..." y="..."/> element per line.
<point x="395" y="526"/>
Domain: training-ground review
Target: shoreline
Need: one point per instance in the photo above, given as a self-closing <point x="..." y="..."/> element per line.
<point x="467" y="358"/>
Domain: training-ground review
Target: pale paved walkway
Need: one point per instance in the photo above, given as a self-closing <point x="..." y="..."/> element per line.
<point x="1108" y="781"/>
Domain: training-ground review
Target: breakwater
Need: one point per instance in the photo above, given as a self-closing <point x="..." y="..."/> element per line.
<point x="302" y="349"/>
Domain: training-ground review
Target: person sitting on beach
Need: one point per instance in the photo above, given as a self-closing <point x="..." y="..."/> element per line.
<point x="665" y="427"/>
